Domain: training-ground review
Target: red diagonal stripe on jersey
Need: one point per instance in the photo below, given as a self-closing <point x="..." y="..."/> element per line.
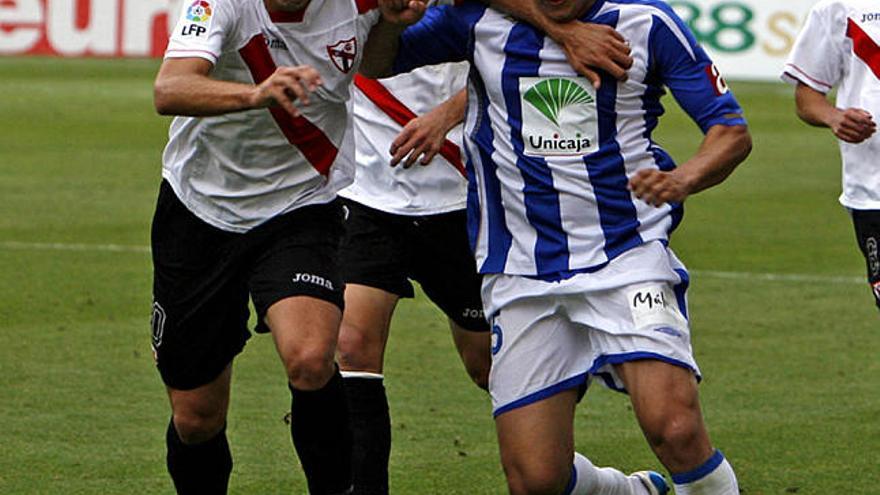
<point x="400" y="113"/>
<point x="311" y="141"/>
<point x="864" y="47"/>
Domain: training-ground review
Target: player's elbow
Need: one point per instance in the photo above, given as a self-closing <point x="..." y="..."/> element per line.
<point x="737" y="142"/>
<point x="163" y="97"/>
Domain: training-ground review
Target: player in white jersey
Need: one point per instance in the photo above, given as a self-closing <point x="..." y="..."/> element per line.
<point x="406" y="224"/>
<point x="248" y="208"/>
<point x="570" y="206"/>
<point x="839" y="46"/>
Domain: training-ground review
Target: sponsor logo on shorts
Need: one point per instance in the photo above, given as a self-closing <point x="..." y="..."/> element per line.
<point x="873" y="259"/>
<point x="157" y="323"/>
<point x="472" y="313"/>
<point x="497" y="339"/>
<point x="649" y="299"/>
<point x="308" y="278"/>
<point x="670" y="331"/>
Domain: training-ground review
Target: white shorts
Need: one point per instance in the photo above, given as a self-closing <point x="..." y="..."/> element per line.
<point x="555" y="336"/>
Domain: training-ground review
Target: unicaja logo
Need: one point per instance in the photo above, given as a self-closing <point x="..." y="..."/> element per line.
<point x="559" y="118"/>
<point x="551" y="96"/>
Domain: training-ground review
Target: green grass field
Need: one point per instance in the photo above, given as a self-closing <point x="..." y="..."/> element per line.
<point x="785" y="331"/>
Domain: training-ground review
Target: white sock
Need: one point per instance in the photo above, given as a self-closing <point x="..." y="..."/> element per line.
<point x="588" y="479"/>
<point x="714" y="477"/>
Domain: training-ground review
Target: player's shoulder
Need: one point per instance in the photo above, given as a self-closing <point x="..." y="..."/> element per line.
<point x="644" y="7"/>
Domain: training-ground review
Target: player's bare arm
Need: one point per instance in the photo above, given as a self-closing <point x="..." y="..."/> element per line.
<point x="852" y="125"/>
<point x="423" y="137"/>
<point x="382" y="43"/>
<point x="587" y="46"/>
<point x="723" y="148"/>
<point x="184" y="87"/>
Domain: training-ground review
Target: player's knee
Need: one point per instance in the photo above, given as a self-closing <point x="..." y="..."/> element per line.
<point x="536" y="479"/>
<point x="197" y="426"/>
<point x="359" y="350"/>
<point x="673" y="433"/>
<point x="310" y="368"/>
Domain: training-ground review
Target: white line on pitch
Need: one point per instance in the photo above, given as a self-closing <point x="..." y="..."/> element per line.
<point x="770" y="277"/>
<point x="58" y="246"/>
<point x="781" y="277"/>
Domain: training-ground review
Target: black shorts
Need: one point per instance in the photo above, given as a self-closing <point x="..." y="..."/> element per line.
<point x="386" y="251"/>
<point x="867" y="224"/>
<point x="202" y="277"/>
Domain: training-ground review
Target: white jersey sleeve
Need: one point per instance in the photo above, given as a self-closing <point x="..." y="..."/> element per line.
<point x="818" y="57"/>
<point x="204" y="29"/>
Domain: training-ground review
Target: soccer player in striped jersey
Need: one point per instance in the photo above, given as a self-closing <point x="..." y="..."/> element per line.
<point x="406" y="224"/>
<point x="571" y="203"/>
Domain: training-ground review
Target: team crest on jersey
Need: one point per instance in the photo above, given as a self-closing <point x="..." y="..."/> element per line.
<point x="343" y="54"/>
<point x="559" y="116"/>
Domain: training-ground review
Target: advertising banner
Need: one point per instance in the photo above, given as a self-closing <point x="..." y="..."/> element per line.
<point x="748" y="39"/>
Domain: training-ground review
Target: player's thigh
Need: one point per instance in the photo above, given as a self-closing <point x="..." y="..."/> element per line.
<point x="364" y="330"/>
<point x="296" y="285"/>
<point x="659" y="388"/>
<point x="200" y="309"/>
<point x="474" y="348"/>
<point x="444" y="266"/>
<point x="374" y="251"/>
<point x="536" y="442"/>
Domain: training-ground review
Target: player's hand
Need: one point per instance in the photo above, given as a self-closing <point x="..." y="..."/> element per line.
<point x="402" y="12"/>
<point x="657" y="188"/>
<point x="421" y="137"/>
<point x="286" y="85"/>
<point x="852" y="125"/>
<point x="590" y="46"/>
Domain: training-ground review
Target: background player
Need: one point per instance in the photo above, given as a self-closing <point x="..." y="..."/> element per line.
<point x="410" y="224"/>
<point x="247" y="208"/>
<point x="570" y="207"/>
<point x="838" y="47"/>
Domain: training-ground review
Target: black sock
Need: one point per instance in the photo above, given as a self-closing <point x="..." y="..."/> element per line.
<point x="371" y="427"/>
<point x="321" y="433"/>
<point x="202" y="468"/>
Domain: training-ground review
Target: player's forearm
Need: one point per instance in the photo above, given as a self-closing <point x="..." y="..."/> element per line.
<point x="453" y="109"/>
<point x="200" y="96"/>
<point x="381" y="49"/>
<point x="813" y="107"/>
<point x="723" y="148"/>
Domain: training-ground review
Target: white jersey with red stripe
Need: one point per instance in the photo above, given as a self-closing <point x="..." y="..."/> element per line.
<point x="840" y="46"/>
<point x="238" y="170"/>
<point x="381" y="109"/>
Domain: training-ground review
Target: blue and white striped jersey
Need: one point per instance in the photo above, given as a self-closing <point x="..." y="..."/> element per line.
<point x="549" y="156"/>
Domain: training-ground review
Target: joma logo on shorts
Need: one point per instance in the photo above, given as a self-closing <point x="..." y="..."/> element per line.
<point x="308" y="278"/>
<point x="651" y="300"/>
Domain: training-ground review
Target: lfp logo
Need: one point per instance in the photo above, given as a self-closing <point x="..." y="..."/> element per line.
<point x="199" y="11"/>
<point x="559" y="116"/>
